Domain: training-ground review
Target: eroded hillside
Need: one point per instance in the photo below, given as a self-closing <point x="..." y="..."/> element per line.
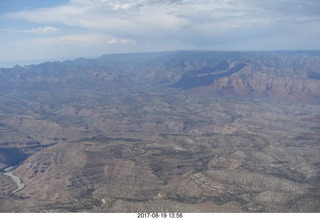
<point x="144" y="142"/>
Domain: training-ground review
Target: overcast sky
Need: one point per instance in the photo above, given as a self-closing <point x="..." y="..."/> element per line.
<point x="61" y="29"/>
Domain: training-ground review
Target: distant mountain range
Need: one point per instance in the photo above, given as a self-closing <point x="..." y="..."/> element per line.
<point x="293" y="74"/>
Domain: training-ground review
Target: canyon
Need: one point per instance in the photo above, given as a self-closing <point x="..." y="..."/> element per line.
<point x="184" y="131"/>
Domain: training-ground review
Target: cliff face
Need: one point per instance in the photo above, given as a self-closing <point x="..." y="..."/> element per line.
<point x="263" y="83"/>
<point x="294" y="74"/>
<point x="288" y="75"/>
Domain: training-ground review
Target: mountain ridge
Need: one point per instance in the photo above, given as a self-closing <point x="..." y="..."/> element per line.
<point x="282" y="73"/>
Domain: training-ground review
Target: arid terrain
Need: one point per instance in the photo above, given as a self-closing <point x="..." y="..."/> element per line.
<point x="162" y="132"/>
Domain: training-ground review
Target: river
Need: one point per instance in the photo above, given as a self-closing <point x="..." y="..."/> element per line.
<point x="16" y="179"/>
<point x="12" y="158"/>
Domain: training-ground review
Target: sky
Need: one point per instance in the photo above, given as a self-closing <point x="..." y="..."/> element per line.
<point x="37" y="30"/>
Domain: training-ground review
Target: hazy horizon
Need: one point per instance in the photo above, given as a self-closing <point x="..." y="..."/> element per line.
<point x="11" y="64"/>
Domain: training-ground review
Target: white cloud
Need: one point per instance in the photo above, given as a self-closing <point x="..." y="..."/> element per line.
<point x="38" y="30"/>
<point x="152" y="18"/>
<point x="92" y="17"/>
<point x="116" y="41"/>
<point x="76" y="40"/>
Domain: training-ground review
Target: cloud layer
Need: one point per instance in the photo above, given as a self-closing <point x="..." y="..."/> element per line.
<point x="143" y="25"/>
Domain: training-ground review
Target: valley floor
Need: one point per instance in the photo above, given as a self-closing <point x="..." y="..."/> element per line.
<point x="151" y="149"/>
